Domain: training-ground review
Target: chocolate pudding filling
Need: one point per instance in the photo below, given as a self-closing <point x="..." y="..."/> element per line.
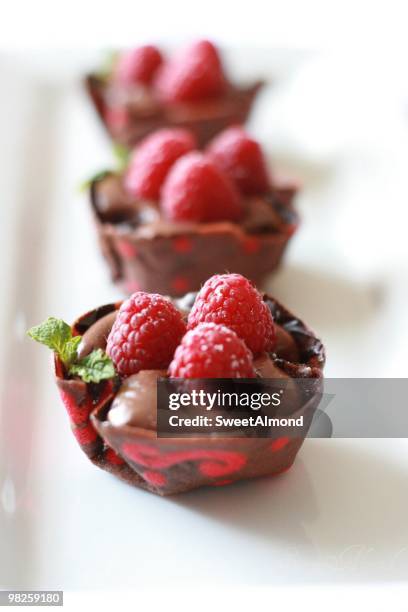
<point x="96" y="336"/>
<point x="135" y="401"/>
<point x="263" y="214"/>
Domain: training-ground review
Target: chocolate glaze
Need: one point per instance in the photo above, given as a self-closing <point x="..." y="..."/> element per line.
<point x="146" y="251"/>
<point x="140" y="113"/>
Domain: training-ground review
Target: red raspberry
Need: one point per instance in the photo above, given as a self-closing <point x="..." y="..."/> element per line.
<point x="145" y="334"/>
<point x="196" y="190"/>
<point x="153" y="158"/>
<point x="196" y="73"/>
<point x="232" y="300"/>
<point x="137" y="65"/>
<point x="212" y="351"/>
<point x="241" y="158"/>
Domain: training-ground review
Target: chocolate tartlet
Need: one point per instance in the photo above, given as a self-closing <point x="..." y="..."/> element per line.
<point x="140" y="114"/>
<point x="189" y="91"/>
<point x="146" y="252"/>
<point x="114" y="422"/>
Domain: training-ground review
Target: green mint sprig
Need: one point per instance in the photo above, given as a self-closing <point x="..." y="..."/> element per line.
<point x="57" y="335"/>
<point x="108" y="65"/>
<point x="99" y="176"/>
<point x="94" y="367"/>
<point x="121" y="155"/>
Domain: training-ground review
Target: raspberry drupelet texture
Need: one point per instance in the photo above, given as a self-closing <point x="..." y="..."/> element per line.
<point x="212" y="351"/>
<point x="196" y="190"/>
<point x="146" y="332"/>
<point x="232" y="300"/>
<point x="153" y="159"/>
<point x="137" y="66"/>
<point x="242" y="159"/>
<point x="195" y="74"/>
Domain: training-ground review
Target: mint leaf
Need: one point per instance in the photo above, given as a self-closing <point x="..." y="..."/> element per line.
<point x="99" y="176"/>
<point x="54" y="333"/>
<point x="122" y="155"/>
<point x="70" y="349"/>
<point x="94" y="367"/>
<point x="108" y="64"/>
<point x="57" y="335"/>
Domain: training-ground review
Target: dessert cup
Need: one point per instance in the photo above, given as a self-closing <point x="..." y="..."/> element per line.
<point x="128" y="121"/>
<point x="172" y="465"/>
<point x="145" y="252"/>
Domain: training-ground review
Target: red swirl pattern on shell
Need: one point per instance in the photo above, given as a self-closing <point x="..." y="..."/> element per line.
<point x="213" y="463"/>
<point x="279" y="443"/>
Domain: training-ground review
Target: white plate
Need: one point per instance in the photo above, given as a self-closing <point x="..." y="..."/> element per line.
<point x="338" y="515"/>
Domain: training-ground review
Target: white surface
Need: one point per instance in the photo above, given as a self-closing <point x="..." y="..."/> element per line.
<point x="357" y="24"/>
<point x="340" y="514"/>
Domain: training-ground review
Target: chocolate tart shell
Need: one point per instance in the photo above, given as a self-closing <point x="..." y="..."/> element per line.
<point x="179" y="260"/>
<point x="234" y="110"/>
<point x="172" y="465"/>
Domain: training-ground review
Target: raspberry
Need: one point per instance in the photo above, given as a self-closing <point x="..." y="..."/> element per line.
<point x="137" y="65"/>
<point x="196" y="190"/>
<point x="212" y="351"/>
<point x="145" y="334"/>
<point x="241" y="158"/>
<point x="152" y="160"/>
<point x="196" y="73"/>
<point x="232" y="300"/>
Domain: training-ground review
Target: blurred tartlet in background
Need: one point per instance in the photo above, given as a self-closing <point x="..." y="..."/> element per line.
<point x="142" y="90"/>
<point x="175" y="215"/>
